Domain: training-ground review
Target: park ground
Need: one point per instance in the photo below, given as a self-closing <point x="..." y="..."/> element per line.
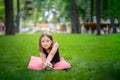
<point x="91" y="57"/>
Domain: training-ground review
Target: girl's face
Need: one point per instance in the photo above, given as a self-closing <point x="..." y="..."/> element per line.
<point x="46" y="42"/>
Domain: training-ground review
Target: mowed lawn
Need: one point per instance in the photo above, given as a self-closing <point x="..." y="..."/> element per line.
<point x="91" y="57"/>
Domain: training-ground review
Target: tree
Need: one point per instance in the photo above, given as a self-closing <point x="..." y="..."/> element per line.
<point x="98" y="16"/>
<point x="9" y="17"/>
<point x="112" y="15"/>
<point x="92" y="7"/>
<point x="18" y="16"/>
<point x="76" y="28"/>
<point x="2" y="12"/>
<point x="29" y="7"/>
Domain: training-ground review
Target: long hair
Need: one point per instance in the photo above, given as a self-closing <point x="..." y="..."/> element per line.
<point x="41" y="36"/>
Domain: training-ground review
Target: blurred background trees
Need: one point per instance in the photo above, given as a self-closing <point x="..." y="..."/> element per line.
<point x="9" y="17"/>
<point x="82" y="15"/>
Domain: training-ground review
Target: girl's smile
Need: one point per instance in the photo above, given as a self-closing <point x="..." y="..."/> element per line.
<point x="46" y="42"/>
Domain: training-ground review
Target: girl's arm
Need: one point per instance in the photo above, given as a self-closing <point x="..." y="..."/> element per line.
<point x="52" y="52"/>
<point x="43" y="56"/>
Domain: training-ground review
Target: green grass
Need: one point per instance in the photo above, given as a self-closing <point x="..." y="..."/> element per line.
<point x="92" y="57"/>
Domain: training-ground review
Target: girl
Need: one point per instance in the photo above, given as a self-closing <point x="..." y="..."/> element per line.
<point x="49" y="52"/>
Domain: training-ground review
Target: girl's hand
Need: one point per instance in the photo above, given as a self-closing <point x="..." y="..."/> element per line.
<point x="48" y="65"/>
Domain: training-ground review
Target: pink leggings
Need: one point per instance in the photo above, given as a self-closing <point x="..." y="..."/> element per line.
<point x="37" y="64"/>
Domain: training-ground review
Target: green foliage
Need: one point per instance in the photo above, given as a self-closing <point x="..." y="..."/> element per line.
<point x="82" y="7"/>
<point x="116" y="9"/>
<point x="92" y="57"/>
<point x="2" y="10"/>
<point x="29" y="7"/>
<point x="111" y="8"/>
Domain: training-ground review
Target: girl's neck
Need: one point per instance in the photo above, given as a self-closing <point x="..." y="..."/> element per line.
<point x="48" y="51"/>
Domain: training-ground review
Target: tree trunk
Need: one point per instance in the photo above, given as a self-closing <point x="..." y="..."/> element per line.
<point x="92" y="7"/>
<point x="18" y="16"/>
<point x="76" y="28"/>
<point x="112" y="18"/>
<point x="98" y="16"/>
<point x="9" y="17"/>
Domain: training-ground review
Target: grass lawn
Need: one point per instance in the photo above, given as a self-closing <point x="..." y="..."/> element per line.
<point x="92" y="57"/>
